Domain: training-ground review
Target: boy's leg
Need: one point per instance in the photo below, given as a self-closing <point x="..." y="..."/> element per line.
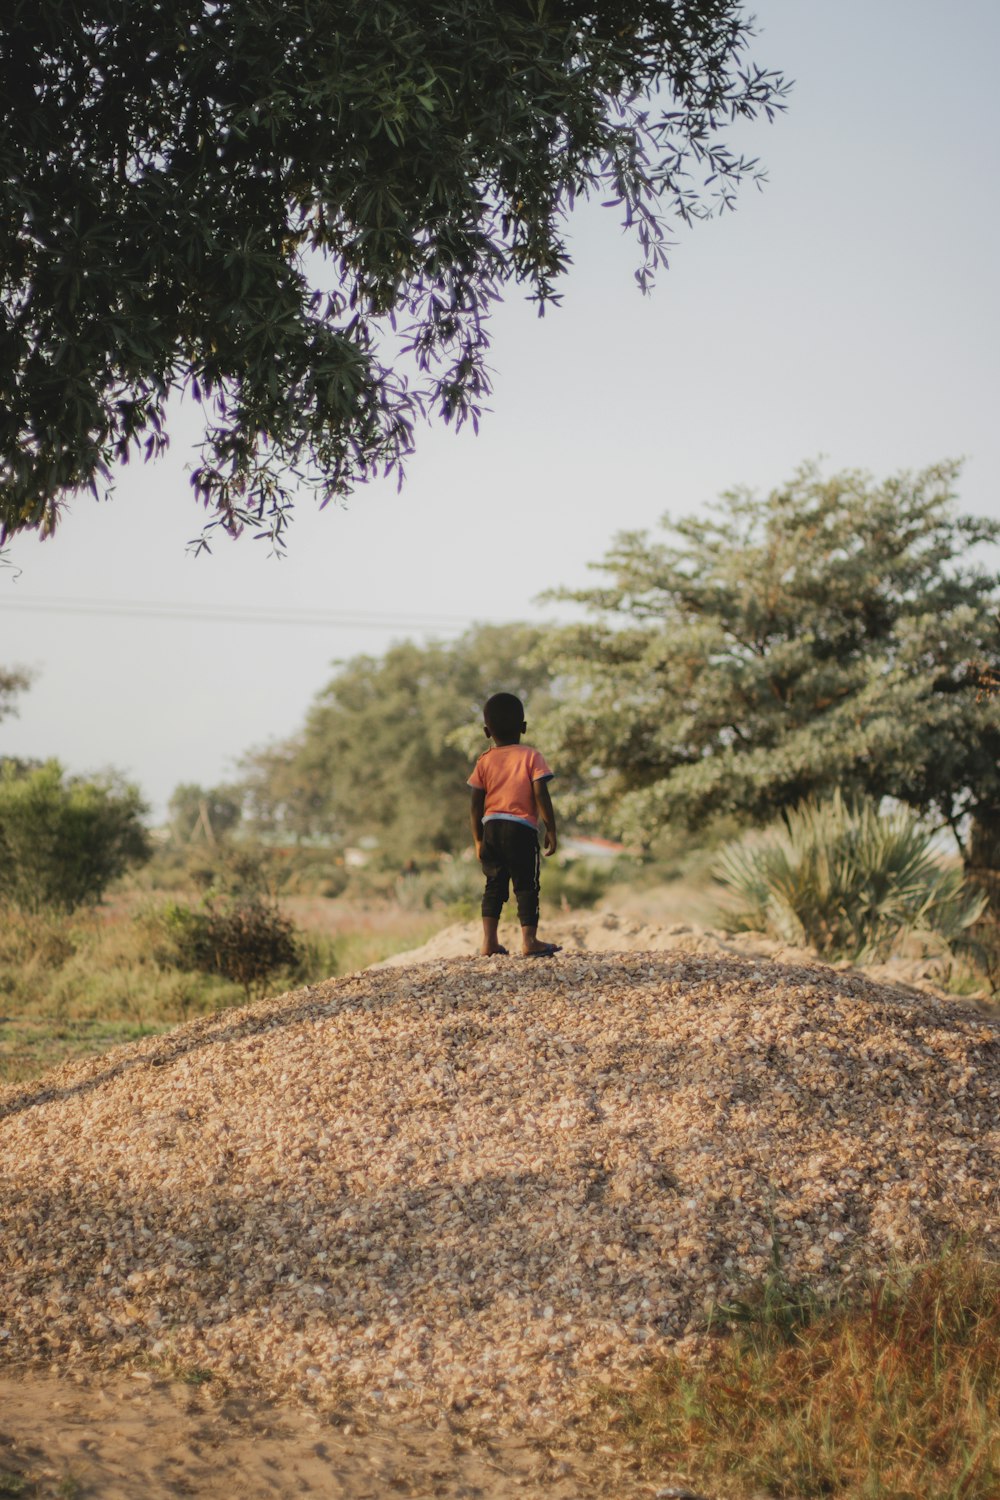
<point x="491" y="942"/>
<point x="525" y="867"/>
<point x="533" y="947"/>
<point x="496" y="893"/>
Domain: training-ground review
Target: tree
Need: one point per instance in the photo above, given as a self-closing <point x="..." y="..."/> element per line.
<point x="833" y="634"/>
<point x="233" y="200"/>
<point x="204" y="814"/>
<point x="12" y="682"/>
<point x="64" y="840"/>
<point x="388" y="745"/>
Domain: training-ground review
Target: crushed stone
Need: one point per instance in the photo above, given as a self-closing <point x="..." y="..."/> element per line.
<point x="478" y="1186"/>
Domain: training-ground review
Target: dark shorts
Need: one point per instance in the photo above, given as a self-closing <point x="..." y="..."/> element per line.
<point x="510" y="856"/>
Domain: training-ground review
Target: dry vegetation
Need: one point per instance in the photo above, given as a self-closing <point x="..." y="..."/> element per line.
<point x="894" y="1395"/>
<point x="74" y="986"/>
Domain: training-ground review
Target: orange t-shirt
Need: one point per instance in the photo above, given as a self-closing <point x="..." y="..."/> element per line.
<point x="507" y="774"/>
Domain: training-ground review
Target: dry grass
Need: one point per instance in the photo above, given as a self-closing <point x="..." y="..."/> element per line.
<point x="892" y="1395"/>
<point x="75" y="986"/>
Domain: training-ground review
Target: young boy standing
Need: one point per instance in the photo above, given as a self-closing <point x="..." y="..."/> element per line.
<point x="510" y="795"/>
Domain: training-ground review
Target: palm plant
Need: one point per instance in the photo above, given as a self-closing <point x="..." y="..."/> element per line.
<point x="846" y="878"/>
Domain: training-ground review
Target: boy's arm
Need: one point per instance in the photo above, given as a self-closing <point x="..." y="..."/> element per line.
<point x="543" y="802"/>
<point x="476" y="810"/>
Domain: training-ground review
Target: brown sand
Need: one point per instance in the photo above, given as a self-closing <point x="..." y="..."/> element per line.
<point x="143" y="1437"/>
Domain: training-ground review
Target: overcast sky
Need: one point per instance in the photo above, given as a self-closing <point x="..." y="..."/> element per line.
<point x="848" y="311"/>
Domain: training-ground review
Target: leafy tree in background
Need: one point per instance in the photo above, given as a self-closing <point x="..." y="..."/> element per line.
<point x="64" y="840"/>
<point x="836" y="633"/>
<point x="379" y="755"/>
<point x="12" y="681"/>
<point x="204" y="813"/>
<point x="234" y="199"/>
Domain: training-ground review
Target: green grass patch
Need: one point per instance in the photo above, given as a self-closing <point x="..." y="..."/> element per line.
<point x="31" y="1045"/>
<point x="893" y="1394"/>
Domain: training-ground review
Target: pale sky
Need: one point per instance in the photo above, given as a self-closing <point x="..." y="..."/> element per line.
<point x="849" y="311"/>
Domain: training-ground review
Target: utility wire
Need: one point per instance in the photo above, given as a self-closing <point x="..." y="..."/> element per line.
<point x="236" y="614"/>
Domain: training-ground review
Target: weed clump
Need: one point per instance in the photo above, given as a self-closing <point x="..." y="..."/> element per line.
<point x="245" y="941"/>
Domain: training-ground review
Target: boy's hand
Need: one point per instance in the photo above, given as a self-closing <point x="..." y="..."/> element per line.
<point x="543" y="802"/>
<point x="476" y="810"/>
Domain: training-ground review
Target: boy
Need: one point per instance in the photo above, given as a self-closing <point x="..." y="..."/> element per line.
<point x="510" y="793"/>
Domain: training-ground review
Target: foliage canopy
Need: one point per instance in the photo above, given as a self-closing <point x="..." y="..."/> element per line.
<point x="13" y="680"/>
<point x="834" y="633"/>
<point x="233" y="199"/>
<point x="379" y="755"/>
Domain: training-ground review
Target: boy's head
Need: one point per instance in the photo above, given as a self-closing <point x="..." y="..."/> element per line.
<point x="503" y="718"/>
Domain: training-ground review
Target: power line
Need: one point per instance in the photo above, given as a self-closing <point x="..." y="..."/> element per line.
<point x="236" y="614"/>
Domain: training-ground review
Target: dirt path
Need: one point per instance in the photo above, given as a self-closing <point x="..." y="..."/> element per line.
<point x="138" y="1437"/>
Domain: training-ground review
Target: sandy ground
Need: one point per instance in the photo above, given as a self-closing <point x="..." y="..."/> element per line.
<point x="140" y="1437"/>
<point x="122" y="1434"/>
<point x="644" y="926"/>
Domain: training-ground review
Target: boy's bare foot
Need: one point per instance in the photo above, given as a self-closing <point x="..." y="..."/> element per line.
<point x="485" y="952"/>
<point x="539" y="950"/>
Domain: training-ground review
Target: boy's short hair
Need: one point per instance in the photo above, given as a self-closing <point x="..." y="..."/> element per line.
<point x="504" y="713"/>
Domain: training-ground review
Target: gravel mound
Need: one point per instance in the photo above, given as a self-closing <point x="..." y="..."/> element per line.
<point x="480" y="1185"/>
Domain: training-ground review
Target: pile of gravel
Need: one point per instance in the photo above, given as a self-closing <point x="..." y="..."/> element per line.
<point x="480" y="1185"/>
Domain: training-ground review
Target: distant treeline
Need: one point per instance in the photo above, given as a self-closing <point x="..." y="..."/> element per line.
<point x="836" y="633"/>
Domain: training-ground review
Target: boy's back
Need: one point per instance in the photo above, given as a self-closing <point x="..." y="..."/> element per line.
<point x="510" y="796"/>
<point x="507" y="774"/>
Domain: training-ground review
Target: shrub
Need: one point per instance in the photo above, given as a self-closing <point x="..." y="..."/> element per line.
<point x="63" y="841"/>
<point x="239" y="933"/>
<point x="246" y="940"/>
<point x="846" y="879"/>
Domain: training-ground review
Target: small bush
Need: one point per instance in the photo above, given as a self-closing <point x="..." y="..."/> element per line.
<point x="846" y="879"/>
<point x="239" y="933"/>
<point x="246" y="940"/>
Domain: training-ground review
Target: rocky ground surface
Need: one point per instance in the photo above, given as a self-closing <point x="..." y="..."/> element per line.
<point x="468" y="1190"/>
